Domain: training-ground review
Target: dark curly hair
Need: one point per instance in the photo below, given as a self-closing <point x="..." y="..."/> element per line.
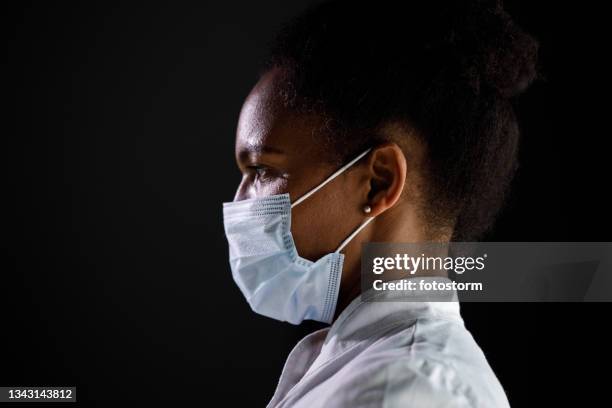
<point x="450" y="70"/>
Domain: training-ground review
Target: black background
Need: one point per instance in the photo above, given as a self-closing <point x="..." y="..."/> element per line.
<point x="120" y="151"/>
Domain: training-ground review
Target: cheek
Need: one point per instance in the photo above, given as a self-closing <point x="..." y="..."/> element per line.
<point x="251" y="188"/>
<point x="319" y="226"/>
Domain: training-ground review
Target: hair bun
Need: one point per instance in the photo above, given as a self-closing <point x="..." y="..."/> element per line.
<point x="499" y="54"/>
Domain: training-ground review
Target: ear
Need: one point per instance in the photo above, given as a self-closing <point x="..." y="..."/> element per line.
<point x="387" y="171"/>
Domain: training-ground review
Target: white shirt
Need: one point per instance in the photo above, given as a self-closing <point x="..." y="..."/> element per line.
<point x="390" y="354"/>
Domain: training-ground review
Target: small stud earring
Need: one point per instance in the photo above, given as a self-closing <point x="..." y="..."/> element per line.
<point x="367" y="209"/>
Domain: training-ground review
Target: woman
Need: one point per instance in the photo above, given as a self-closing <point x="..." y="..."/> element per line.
<point x="375" y="123"/>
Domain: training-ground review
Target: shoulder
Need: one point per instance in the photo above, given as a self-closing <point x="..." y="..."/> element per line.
<point x="442" y="366"/>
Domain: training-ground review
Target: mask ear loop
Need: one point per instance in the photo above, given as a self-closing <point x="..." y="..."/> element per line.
<point x="350" y="237"/>
<point x="330" y="178"/>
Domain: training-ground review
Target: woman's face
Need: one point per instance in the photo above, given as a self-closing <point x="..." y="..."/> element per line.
<point x="278" y="152"/>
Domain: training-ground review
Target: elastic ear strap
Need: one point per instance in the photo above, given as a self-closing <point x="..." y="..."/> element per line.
<point x="350" y="237"/>
<point x="330" y="178"/>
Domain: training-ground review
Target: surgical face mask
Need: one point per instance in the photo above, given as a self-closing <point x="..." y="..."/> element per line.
<point x="265" y="264"/>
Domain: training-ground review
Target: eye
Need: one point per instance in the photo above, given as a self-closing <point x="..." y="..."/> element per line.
<point x="261" y="172"/>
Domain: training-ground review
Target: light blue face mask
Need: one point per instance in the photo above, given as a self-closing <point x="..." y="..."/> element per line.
<point x="265" y="265"/>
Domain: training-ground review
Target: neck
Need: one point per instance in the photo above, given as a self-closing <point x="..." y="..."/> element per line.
<point x="394" y="227"/>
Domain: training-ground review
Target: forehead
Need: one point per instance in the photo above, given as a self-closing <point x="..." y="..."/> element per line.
<point x="265" y="124"/>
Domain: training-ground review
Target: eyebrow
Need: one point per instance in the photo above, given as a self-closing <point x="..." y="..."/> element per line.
<point x="265" y="149"/>
<point x="258" y="148"/>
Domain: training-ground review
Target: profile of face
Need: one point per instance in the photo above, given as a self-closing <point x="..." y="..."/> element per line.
<point x="280" y="152"/>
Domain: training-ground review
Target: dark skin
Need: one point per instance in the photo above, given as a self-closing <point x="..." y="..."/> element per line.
<point x="278" y="152"/>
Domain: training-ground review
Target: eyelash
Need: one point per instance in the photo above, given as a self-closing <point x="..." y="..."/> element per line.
<point x="258" y="169"/>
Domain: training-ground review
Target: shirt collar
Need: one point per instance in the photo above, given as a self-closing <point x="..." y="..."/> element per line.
<point x="361" y="320"/>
